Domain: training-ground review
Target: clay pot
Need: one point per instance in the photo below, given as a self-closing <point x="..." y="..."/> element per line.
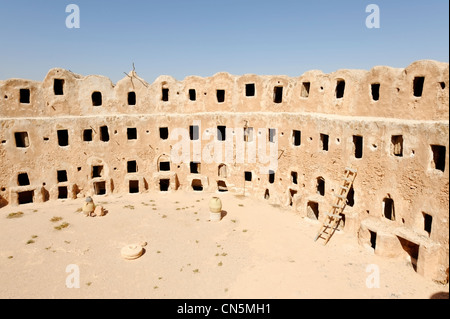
<point x="132" y="251"/>
<point x="215" y="205"/>
<point x="215" y="208"/>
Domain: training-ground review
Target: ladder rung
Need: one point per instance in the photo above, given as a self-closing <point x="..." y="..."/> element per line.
<point x="337" y="206"/>
<point x="345" y="188"/>
<point x="347" y="179"/>
<point x="351" y="170"/>
<point x="340" y="196"/>
<point x="334" y="215"/>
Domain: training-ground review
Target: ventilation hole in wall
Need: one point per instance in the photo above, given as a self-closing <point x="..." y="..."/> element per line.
<point x="272" y="135"/>
<point x="61" y="176"/>
<point x="442" y="85"/>
<point x="6" y="97"/>
<point x="197" y="185"/>
<point x="164" y="133"/>
<point x="164" y="185"/>
<point x="373" y="239"/>
<point x="3" y="189"/>
<point x="248" y="176"/>
<point x="358" y="143"/>
<point x="221" y="133"/>
<point x="100" y="188"/>
<point x="96" y="98"/>
<point x="375" y="91"/>
<point x="133" y="187"/>
<point x="132" y="133"/>
<point x="131" y="98"/>
<point x="439" y="154"/>
<point x="305" y="89"/>
<point x="79" y="169"/>
<point x="222" y="186"/>
<point x="397" y="145"/>
<point x="164" y="166"/>
<point x="24" y="96"/>
<point x="22" y="140"/>
<point x="194" y="132"/>
<point x="192" y="95"/>
<point x="97" y="171"/>
<point x="351" y="197"/>
<point x="62" y="192"/>
<point x="250" y="89"/>
<point x="25" y="197"/>
<point x="58" y="86"/>
<point x="271" y="177"/>
<point x="324" y="139"/>
<point x="194" y="167"/>
<point x="23" y="180"/>
<point x="267" y="194"/>
<point x="87" y="135"/>
<point x="132" y="167"/>
<point x="418" y="85"/>
<point x="278" y="94"/>
<point x="321" y="88"/>
<point x="374" y="146"/>
<point x="338" y="140"/>
<point x="63" y="137"/>
<point x="3" y="141"/>
<point x="46" y="139"/>
<point x="320" y="186"/>
<point x="165" y="95"/>
<point x="312" y="210"/>
<point x="294" y="178"/>
<point x="389" y="209"/>
<point x="104" y="134"/>
<point x="340" y="89"/>
<point x="427" y="223"/>
<point x="220" y="96"/>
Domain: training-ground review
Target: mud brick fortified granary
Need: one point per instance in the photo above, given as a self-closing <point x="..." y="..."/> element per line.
<point x="73" y="136"/>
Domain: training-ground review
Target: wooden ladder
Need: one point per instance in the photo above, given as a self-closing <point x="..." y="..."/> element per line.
<point x="333" y="219"/>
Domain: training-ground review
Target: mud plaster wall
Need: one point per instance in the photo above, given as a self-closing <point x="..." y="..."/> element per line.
<point x="412" y="180"/>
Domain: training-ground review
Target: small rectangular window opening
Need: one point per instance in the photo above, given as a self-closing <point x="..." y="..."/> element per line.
<point x="165" y="95"/>
<point x="428" y="221"/>
<point x="164" y="185"/>
<point x="389" y="209"/>
<point x="131" y="98"/>
<point x="271" y="177"/>
<point x="294" y="178"/>
<point x="439" y="154"/>
<point x="340" y="89"/>
<point x="132" y="133"/>
<point x="62" y="192"/>
<point x="397" y="145"/>
<point x="248" y="134"/>
<point x="305" y="89"/>
<point x="272" y="135"/>
<point x="358" y="146"/>
<point x="324" y="138"/>
<point x="220" y="96"/>
<point x="100" y="188"/>
<point x="373" y="239"/>
<point x="221" y="133"/>
<point x="58" y="86"/>
<point x="194" y="132"/>
<point x="97" y="171"/>
<point x="132" y="167"/>
<point x="61" y="176"/>
<point x="195" y="167"/>
<point x="418" y="85"/>
<point x="97" y="98"/>
<point x="63" y="137"/>
<point x="192" y="95"/>
<point x="375" y="91"/>
<point x="22" y="140"/>
<point x="104" y="134"/>
<point x="23" y="180"/>
<point x="25" y="197"/>
<point x="25" y="96"/>
<point x="296" y="138"/>
<point x="250" y="89"/>
<point x="278" y="94"/>
<point x="87" y="135"/>
<point x="248" y="176"/>
<point x="313" y="210"/>
<point x="164" y="133"/>
<point x="164" y="166"/>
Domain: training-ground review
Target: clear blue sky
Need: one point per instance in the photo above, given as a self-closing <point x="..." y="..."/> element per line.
<point x="200" y="37"/>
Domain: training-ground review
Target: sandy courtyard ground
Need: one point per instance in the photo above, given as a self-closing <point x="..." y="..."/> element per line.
<point x="256" y="251"/>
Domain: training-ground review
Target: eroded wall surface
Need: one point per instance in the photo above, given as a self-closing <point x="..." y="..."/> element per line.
<point x="71" y="136"/>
